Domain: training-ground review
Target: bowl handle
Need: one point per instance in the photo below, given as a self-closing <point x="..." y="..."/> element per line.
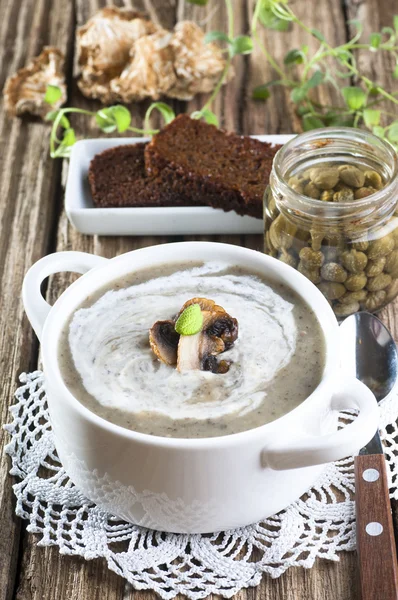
<point x="309" y="450"/>
<point x="36" y="307"/>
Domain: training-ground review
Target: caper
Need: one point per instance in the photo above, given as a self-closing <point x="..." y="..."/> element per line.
<point x="296" y="185"/>
<point x="363" y="192"/>
<point x="358" y="296"/>
<point x="312" y="191"/>
<point x="354" y="261"/>
<point x="381" y="247"/>
<point x="360" y="245"/>
<point x="344" y="310"/>
<point x="334" y="272"/>
<point x="312" y="273"/>
<point x="391" y="263"/>
<point x="327" y="195"/>
<point x="346" y="195"/>
<point x="311" y="258"/>
<point x="392" y="290"/>
<point x="281" y="233"/>
<point x="332" y="290"/>
<point x="375" y="267"/>
<point x="288" y="258"/>
<point x="373" y="179"/>
<point x="325" y="178"/>
<point x="355" y="282"/>
<point x="269" y="249"/>
<point x="351" y="175"/>
<point x="317" y="236"/>
<point x="380" y="282"/>
<point x="375" y="300"/>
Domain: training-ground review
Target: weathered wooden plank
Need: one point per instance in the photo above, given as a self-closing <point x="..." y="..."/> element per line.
<point x="28" y="183"/>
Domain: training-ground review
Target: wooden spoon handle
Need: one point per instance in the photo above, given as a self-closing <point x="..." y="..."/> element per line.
<point x="375" y="534"/>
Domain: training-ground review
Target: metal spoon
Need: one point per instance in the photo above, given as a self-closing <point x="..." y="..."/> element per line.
<point x="369" y="352"/>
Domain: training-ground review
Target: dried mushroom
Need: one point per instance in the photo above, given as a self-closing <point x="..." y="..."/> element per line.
<point x="124" y="57"/>
<point x="198" y="66"/>
<point x="103" y="48"/>
<point x="24" y="92"/>
<point x="198" y="348"/>
<point x="150" y="74"/>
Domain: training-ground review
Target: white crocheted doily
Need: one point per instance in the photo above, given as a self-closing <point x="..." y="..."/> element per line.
<point x="320" y="524"/>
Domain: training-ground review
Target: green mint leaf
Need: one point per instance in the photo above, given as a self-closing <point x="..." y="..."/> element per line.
<point x="371" y="117"/>
<point x="53" y="94"/>
<point x="242" y="44"/>
<point x="270" y="21"/>
<point x="354" y="97"/>
<point x="69" y="137"/>
<point x="105" y="120"/>
<point x="215" y="36"/>
<point x="165" y="110"/>
<point x="392" y="132"/>
<point x="379" y="131"/>
<point x="122" y="117"/>
<point x="190" y="320"/>
<point x="113" y="117"/>
<point x="298" y="94"/>
<point x="375" y="40"/>
<point x="316" y="78"/>
<point x="53" y="114"/>
<point x="318" y="34"/>
<point x="294" y="57"/>
<point x="395" y="22"/>
<point x="198" y="2"/>
<point x="311" y="122"/>
<point x="206" y="114"/>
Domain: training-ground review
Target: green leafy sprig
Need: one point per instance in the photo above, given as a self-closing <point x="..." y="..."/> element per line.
<point x="302" y="72"/>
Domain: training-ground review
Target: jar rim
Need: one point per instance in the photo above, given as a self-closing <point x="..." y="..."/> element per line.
<point x="338" y="133"/>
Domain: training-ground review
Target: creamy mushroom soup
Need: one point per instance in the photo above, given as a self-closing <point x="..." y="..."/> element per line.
<point x="274" y="360"/>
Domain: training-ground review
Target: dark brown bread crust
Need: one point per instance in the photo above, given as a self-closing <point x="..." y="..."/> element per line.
<point x="205" y="165"/>
<point x="117" y="178"/>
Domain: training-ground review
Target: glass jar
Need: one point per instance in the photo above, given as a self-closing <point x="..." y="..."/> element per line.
<point x="347" y="246"/>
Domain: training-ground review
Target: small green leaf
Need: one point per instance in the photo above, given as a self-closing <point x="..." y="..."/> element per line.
<point x="165" y="110"/>
<point x="261" y="92"/>
<point x="343" y="55"/>
<point x="298" y="94"/>
<point x="318" y="34"/>
<point x="52" y="115"/>
<point x="395" y="21"/>
<point x="206" y="114"/>
<point x="354" y="97"/>
<point x="113" y="117"/>
<point x="311" y="122"/>
<point x="198" y="2"/>
<point x="294" y="57"/>
<point x="214" y="36"/>
<point x="392" y="132"/>
<point x="315" y="79"/>
<point x="270" y="21"/>
<point x="371" y="117"/>
<point x="122" y="117"/>
<point x="304" y="48"/>
<point x="242" y="44"/>
<point x="333" y="119"/>
<point x="379" y="131"/>
<point x="375" y="40"/>
<point x="190" y="320"/>
<point x="105" y="120"/>
<point x="69" y="137"/>
<point x="53" y="94"/>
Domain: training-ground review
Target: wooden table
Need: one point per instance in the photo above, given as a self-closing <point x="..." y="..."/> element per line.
<point x="33" y="223"/>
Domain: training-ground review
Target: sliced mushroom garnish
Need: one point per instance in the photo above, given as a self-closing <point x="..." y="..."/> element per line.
<point x="163" y="339"/>
<point x="199" y="351"/>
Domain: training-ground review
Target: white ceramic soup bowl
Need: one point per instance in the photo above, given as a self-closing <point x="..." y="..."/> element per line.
<point x="194" y="485"/>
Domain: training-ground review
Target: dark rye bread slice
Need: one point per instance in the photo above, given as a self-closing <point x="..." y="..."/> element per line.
<point x="117" y="178"/>
<point x="205" y="165"/>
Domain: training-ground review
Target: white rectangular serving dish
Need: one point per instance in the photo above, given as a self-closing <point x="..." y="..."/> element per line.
<point x="179" y="220"/>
